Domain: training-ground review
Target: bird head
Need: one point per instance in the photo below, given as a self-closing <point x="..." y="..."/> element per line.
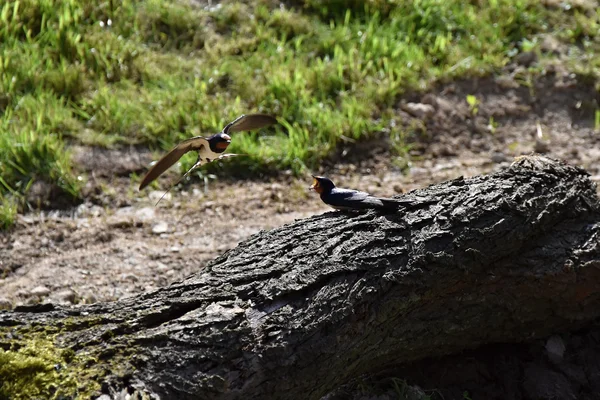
<point x="219" y="142"/>
<point x="322" y="184"/>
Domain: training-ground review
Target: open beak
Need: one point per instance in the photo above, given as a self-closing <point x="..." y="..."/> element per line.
<point x="313" y="187"/>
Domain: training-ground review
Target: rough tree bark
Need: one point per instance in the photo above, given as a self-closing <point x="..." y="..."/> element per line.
<point x="296" y="311"/>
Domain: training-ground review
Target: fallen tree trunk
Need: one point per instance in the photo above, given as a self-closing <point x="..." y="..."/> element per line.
<point x="296" y="311"/>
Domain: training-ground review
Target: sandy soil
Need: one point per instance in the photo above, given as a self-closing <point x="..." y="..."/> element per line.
<point x="119" y="244"/>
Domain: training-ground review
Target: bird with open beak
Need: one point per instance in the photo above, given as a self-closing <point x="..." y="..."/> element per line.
<point x="209" y="148"/>
<point x="350" y="199"/>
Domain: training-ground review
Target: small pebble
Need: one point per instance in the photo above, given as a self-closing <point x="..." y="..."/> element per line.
<point x="120" y="222"/>
<point x="161" y="227"/>
<point x="125" y="210"/>
<point x="88" y="210"/>
<point x="161" y="266"/>
<point x="26" y="220"/>
<point x="550" y="44"/>
<point x="40" y="291"/>
<point x="506" y="82"/>
<point x="66" y="296"/>
<point x="145" y="214"/>
<point x="419" y="110"/>
<point x="129" y="277"/>
<point x="104" y="236"/>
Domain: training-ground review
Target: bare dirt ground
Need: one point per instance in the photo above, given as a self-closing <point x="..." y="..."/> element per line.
<point x="119" y="244"/>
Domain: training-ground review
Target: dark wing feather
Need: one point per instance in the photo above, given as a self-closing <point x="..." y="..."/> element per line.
<point x="172" y="157"/>
<point x="250" y="122"/>
<point x="345" y="198"/>
<point x="354" y="199"/>
<point x="349" y="194"/>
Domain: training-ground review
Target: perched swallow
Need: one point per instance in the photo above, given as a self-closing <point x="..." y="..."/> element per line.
<point x="209" y="148"/>
<point x="349" y="199"/>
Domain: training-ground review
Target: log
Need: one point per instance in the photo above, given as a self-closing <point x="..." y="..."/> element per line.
<point x="296" y="311"/>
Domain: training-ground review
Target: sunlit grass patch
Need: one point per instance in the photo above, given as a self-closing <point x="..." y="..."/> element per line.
<point x="32" y="146"/>
<point x="27" y="156"/>
<point x="153" y="72"/>
<point x="8" y="211"/>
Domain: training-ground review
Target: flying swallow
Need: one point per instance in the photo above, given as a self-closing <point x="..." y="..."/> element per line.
<point x="349" y="199"/>
<point x="209" y="148"/>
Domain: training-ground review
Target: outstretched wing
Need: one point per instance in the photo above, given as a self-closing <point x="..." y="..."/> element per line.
<point x="249" y="122"/>
<point x="172" y="157"/>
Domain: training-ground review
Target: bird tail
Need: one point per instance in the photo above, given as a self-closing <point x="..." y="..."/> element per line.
<point x="390" y="204"/>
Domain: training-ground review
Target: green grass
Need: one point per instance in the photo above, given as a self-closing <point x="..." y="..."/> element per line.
<point x="151" y="72"/>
